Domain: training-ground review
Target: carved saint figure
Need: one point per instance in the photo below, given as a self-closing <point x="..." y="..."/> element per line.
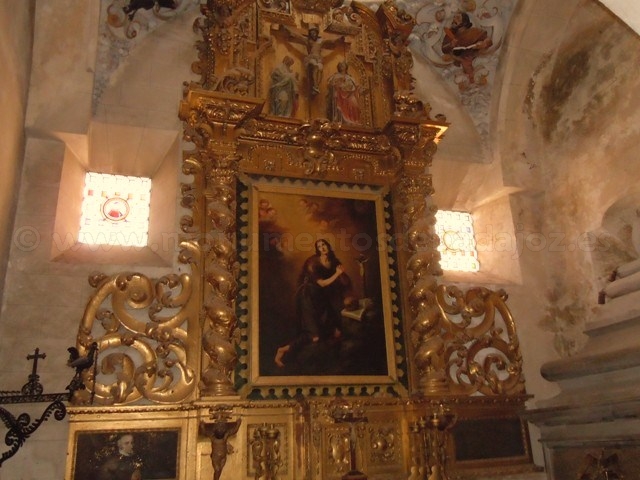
<point x="343" y="97"/>
<point x="464" y="42"/>
<point x="283" y="93"/>
<point x="314" y="45"/>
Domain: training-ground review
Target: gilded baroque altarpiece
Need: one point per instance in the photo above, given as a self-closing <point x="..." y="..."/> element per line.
<point x="309" y="164"/>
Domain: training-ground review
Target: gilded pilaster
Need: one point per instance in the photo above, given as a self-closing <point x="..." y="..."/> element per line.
<point x="418" y="242"/>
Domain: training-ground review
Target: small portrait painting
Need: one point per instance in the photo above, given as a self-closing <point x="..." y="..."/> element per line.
<point x="127" y="455"/>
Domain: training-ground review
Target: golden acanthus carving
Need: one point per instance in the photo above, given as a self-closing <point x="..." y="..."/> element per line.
<point x="154" y="358"/>
<point x="318" y="139"/>
<point x="345" y="21"/>
<point x="482" y="350"/>
<point x="421" y="259"/>
<point x="407" y="105"/>
<point x="223" y="27"/>
<point x="265" y="446"/>
<point x="281" y="6"/>
<point x="267" y="130"/>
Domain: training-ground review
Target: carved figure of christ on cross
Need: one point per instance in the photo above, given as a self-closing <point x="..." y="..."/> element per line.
<point x="312" y="56"/>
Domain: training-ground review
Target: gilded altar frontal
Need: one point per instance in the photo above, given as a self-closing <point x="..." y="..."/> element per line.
<point x="307" y="334"/>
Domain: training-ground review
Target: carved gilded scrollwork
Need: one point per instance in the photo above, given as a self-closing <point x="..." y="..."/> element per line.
<point x="482" y="349"/>
<point x="344" y="20"/>
<point x="318" y="139"/>
<point x="397" y="25"/>
<point x="338" y="452"/>
<point x="260" y="129"/>
<point x="265" y="446"/>
<point x="154" y="357"/>
<point x="236" y="80"/>
<point x="407" y="105"/>
<point x="225" y="28"/>
<point x="416" y="140"/>
<point x="207" y="112"/>
<point x="212" y="199"/>
<point x="282" y="6"/>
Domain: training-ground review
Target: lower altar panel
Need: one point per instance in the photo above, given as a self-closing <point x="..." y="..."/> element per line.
<point x="384" y="438"/>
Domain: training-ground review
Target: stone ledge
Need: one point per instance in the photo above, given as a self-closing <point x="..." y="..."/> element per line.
<point x="585" y="364"/>
<point x="583" y="414"/>
<point x="628" y="268"/>
<point x="617" y="310"/>
<point x="623" y="286"/>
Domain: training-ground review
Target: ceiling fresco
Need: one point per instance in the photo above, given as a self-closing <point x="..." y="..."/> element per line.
<point x="460" y="40"/>
<point x="123" y="25"/>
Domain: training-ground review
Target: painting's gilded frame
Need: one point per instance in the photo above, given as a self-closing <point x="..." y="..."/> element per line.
<point x="154" y="421"/>
<point x="249" y="250"/>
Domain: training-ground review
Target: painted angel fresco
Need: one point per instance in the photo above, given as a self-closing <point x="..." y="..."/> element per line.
<point x="461" y="36"/>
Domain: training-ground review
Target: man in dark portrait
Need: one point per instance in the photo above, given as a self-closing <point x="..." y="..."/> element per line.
<point x="123" y="464"/>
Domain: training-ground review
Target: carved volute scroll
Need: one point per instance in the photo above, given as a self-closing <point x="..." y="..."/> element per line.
<point x="147" y="339"/>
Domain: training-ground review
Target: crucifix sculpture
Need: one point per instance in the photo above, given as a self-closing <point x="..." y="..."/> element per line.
<point x="343" y="412"/>
<point x="314" y="45"/>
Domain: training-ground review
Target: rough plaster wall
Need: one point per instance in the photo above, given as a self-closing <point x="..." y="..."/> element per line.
<point x="16" y="34"/>
<point x="587" y="116"/>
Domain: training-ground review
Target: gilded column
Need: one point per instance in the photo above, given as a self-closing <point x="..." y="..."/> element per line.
<point x="417" y="244"/>
<point x="212" y="199"/>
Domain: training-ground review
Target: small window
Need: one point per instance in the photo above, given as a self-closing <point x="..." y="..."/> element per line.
<point x="457" y="241"/>
<point x="115" y="210"/>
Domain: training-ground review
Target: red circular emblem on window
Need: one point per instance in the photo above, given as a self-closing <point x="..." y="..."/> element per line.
<point x="115" y="209"/>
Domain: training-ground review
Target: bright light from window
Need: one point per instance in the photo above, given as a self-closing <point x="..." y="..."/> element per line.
<point x="457" y="241"/>
<point x="115" y="210"/>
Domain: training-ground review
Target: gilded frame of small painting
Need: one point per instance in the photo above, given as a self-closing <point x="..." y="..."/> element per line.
<point x="318" y="276"/>
<point x="150" y="450"/>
